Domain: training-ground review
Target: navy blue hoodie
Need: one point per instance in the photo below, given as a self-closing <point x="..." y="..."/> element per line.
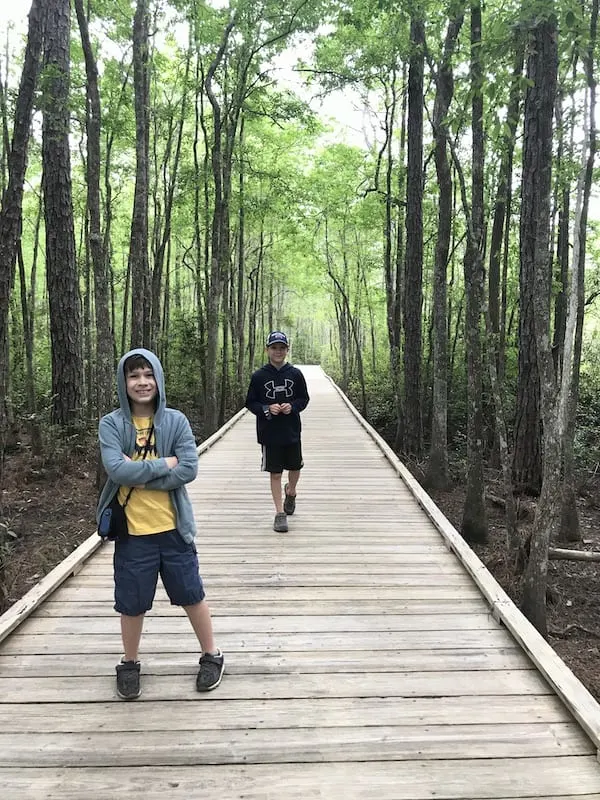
<point x="270" y="385"/>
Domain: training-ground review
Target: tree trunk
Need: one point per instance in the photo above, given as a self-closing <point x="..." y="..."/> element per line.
<point x="396" y="358"/>
<point x="437" y="466"/>
<point x="104" y="367"/>
<point x="165" y="322"/>
<point x="527" y="463"/>
<point x="27" y="317"/>
<point x="542" y="69"/>
<point x="502" y="192"/>
<point x="5" y="138"/>
<point x="474" y="521"/>
<point x="240" y="317"/>
<point x="391" y="262"/>
<point x="563" y="246"/>
<point x="61" y="268"/>
<point x="413" y="266"/>
<point x="218" y="245"/>
<point x="255" y="278"/>
<point x="106" y="234"/>
<point x="12" y="199"/>
<point x="569" y="526"/>
<point x="200" y="245"/>
<point x="138" y="246"/>
<point x="495" y="313"/>
<point x="224" y="388"/>
<point x="82" y="258"/>
<point x="169" y="192"/>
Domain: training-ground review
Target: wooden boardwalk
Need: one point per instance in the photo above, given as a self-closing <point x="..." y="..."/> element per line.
<point x="364" y="656"/>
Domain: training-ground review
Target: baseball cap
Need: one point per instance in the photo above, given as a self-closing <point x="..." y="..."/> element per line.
<point x="277" y="337"/>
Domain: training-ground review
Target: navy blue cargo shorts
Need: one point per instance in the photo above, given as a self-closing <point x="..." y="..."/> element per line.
<point x="139" y="560"/>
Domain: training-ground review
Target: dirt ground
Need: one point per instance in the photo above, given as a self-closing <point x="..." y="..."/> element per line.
<point x="46" y="511"/>
<point x="573" y="586"/>
<point x="49" y="510"/>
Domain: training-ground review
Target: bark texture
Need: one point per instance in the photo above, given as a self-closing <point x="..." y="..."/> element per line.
<point x="413" y="267"/>
<point x="138" y="247"/>
<point x="104" y="367"/>
<point x="12" y="200"/>
<point x="437" y="465"/>
<point x="474" y="520"/>
<point x="61" y="268"/>
<point x="542" y="69"/>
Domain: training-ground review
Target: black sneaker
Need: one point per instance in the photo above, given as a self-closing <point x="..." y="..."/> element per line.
<point x="211" y="671"/>
<point x="289" y="504"/>
<point x="280" y="522"/>
<point x="128" y="680"/>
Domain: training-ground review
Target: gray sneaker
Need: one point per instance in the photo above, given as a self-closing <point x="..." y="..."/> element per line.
<point x="211" y="671"/>
<point x="128" y="680"/>
<point x="280" y="522"/>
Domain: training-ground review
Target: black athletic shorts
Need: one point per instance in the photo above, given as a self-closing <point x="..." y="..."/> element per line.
<point x="276" y="458"/>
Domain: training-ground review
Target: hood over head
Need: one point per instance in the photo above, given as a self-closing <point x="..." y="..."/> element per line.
<point x="159" y="377"/>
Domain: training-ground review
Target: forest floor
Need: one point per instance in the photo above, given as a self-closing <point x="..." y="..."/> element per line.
<point x="48" y="510"/>
<point x="573" y="609"/>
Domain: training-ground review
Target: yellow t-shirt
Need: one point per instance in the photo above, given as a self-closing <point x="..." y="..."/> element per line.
<point x="148" y="510"/>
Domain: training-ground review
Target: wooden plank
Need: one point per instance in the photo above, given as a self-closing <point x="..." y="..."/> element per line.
<point x="293" y="745"/>
<point x="353" y="562"/>
<point x="308" y="529"/>
<point x="240" y="714"/>
<point x="261" y="662"/>
<point x="286" y="569"/>
<point x="251" y="580"/>
<point x="220" y="549"/>
<point x="224" y="608"/>
<point x="76" y="591"/>
<point x="281" y="685"/>
<point x="321" y="523"/>
<point x="240" y="642"/>
<point x="271" y="623"/>
<point x="477" y="779"/>
<point x="308" y="534"/>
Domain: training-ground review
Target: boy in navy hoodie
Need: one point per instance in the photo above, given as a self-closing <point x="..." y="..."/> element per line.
<point x="276" y="395"/>
<point x="149" y="454"/>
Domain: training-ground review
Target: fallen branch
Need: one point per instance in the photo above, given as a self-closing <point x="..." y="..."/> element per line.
<point x="558" y="553"/>
<point x="574" y="627"/>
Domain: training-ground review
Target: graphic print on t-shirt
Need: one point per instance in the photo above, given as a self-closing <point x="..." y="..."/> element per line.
<point x="148" y="510"/>
<point x="141" y="440"/>
<point x="285" y="390"/>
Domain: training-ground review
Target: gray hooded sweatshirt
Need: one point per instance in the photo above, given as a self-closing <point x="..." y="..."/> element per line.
<point x="173" y="436"/>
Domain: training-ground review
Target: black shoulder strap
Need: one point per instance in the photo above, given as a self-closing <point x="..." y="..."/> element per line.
<point x="147" y="447"/>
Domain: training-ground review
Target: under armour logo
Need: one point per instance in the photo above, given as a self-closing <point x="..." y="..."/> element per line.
<point x="287" y="388"/>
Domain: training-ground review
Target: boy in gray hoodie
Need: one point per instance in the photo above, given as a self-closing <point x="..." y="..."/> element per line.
<point x="149" y="454"/>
